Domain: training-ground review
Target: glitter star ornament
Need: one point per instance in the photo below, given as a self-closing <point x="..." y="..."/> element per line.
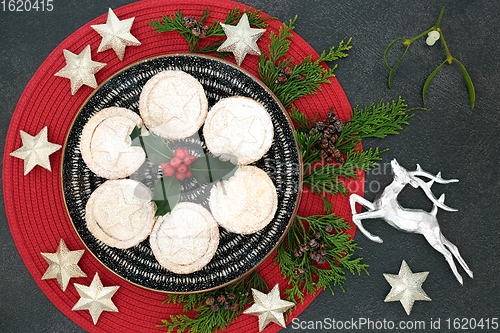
<point x="80" y="69"/>
<point x="269" y="308"/>
<point x="241" y="39"/>
<point x="35" y="150"/>
<point x="406" y="287"/>
<point x="63" y="265"/>
<point x="96" y="298"/>
<point x="116" y="34"/>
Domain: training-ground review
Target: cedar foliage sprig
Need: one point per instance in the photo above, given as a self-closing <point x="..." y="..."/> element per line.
<point x="312" y="276"/>
<point x="207" y="320"/>
<point x="214" y="30"/>
<point x="305" y="77"/>
<point x="376" y="120"/>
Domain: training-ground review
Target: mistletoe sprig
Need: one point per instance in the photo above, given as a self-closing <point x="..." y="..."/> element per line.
<point x="194" y="30"/>
<point x="214" y="309"/>
<point x="434" y="34"/>
<point x="315" y="254"/>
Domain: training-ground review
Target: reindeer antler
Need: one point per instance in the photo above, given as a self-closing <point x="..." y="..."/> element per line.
<point x="426" y="187"/>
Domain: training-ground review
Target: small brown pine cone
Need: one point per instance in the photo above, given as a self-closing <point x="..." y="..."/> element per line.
<point x="288" y="70"/>
<point x="215" y="308"/>
<point x="333" y="139"/>
<point x="298" y="272"/>
<point x="297" y="252"/>
<point x="328" y="228"/>
<point x="323" y="154"/>
<point x="221" y="299"/>
<point x="339" y="125"/>
<point x="304" y="248"/>
<point x="227" y="306"/>
<point x="317" y="235"/>
<point x="322" y="252"/>
<point x="321" y="260"/>
<point x="210" y="301"/>
<point x="235" y="307"/>
<point x="231" y="296"/>
<point x="313" y="243"/>
<point x="196" y="31"/>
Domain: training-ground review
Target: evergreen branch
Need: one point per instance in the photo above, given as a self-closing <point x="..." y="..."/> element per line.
<point x="373" y="121"/>
<point x="209" y="319"/>
<point x="306" y="275"/>
<point x="305" y="77"/>
<point x="213" y="31"/>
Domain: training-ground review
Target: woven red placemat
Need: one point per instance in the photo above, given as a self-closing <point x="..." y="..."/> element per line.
<point x="34" y="203"/>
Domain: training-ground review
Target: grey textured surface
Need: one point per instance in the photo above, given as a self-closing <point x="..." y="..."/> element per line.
<point x="448" y="136"/>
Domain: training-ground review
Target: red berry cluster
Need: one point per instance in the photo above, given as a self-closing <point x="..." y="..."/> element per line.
<point x="179" y="164"/>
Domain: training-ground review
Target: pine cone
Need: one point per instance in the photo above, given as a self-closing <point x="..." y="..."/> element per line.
<point x="210" y="301"/>
<point x="313" y="243"/>
<point x="297" y="252"/>
<point x="304" y="248"/>
<point x="329" y="130"/>
<point x="328" y="228"/>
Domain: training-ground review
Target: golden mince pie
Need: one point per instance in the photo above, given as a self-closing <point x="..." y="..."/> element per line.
<point x="185" y="240"/>
<point x="246" y="203"/>
<point x="238" y="129"/>
<point x="106" y="146"/>
<point x="120" y="213"/>
<point x="173" y="105"/>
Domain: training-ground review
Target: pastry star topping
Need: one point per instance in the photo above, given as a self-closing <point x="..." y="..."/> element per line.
<point x="183" y="238"/>
<point x="80" y="69"/>
<point x="114" y="143"/>
<point x="269" y="308"/>
<point x="241" y="39"/>
<point x="237" y="131"/>
<point x="116" y="34"/>
<point x="121" y="213"/>
<point x="35" y="150"/>
<point x="172" y="104"/>
<point x="406" y="287"/>
<point x="63" y="265"/>
<point x="96" y="298"/>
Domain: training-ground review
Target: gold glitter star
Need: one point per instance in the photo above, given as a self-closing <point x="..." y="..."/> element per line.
<point x="116" y="34"/>
<point x="406" y="287"/>
<point x="237" y="131"/>
<point x="63" y="265"/>
<point x="121" y="213"/>
<point x="269" y="308"/>
<point x="172" y="104"/>
<point x="35" y="150"/>
<point x="80" y="69"/>
<point x="241" y="39"/>
<point x="96" y="298"/>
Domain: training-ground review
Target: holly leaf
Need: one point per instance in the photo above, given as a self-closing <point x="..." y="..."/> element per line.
<point x="166" y="195"/>
<point x="208" y="169"/>
<point x="156" y="149"/>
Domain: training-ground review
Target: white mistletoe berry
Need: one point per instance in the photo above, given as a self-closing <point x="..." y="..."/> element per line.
<point x="432" y="37"/>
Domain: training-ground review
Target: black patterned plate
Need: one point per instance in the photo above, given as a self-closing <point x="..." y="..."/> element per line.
<point x="237" y="254"/>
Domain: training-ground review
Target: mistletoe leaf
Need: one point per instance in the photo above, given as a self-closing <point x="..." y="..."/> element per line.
<point x="208" y="169"/>
<point x="468" y="83"/>
<point x="429" y="80"/>
<point x="156" y="149"/>
<point x="387" y="51"/>
<point x="166" y="195"/>
<point x="393" y="68"/>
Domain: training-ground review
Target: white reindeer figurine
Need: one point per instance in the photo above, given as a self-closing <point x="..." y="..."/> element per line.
<point x="417" y="221"/>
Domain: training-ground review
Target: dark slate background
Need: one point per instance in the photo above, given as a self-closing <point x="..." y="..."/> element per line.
<point x="447" y="137"/>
